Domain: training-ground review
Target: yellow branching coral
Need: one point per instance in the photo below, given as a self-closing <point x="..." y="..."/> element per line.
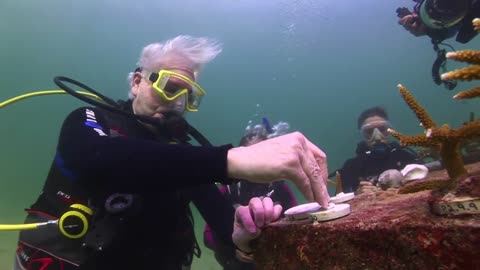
<point x="476" y="24"/>
<point x="470" y="130"/>
<point x="413" y="140"/>
<point x="468" y="73"/>
<point x="464" y="74"/>
<point x="422" y="115"/>
<point x="339" y="188"/>
<point x="425" y="185"/>
<point x="467" y="56"/>
<point x="337" y="183"/>
<point x="474" y="92"/>
<point x="446" y="139"/>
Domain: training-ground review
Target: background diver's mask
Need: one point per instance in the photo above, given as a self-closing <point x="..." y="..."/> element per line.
<point x="259" y="132"/>
<point x="375" y="132"/>
<point x="441" y="14"/>
<point x="176" y="88"/>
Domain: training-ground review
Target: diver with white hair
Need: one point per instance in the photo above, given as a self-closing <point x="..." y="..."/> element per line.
<point x="123" y="176"/>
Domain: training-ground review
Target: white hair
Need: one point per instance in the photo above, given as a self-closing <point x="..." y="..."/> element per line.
<point x="187" y="50"/>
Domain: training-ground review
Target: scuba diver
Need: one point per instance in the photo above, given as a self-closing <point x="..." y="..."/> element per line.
<point x="240" y="192"/>
<point x="375" y="153"/>
<point x="124" y="173"/>
<point x="441" y="20"/>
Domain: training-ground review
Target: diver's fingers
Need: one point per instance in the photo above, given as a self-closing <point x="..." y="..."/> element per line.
<point x="257" y="211"/>
<point x="302" y="182"/>
<point x="268" y="208"/>
<point x="243" y="216"/>
<point x="320" y="158"/>
<point x="244" y="257"/>
<point x="317" y="184"/>
<point x="277" y="211"/>
<point x="402" y="20"/>
<point x="407" y="20"/>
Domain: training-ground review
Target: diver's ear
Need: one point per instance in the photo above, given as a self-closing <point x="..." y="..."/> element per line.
<point x="135" y="85"/>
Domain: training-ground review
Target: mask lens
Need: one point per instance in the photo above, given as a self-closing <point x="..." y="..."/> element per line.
<point x="368" y="129"/>
<point x="194" y="98"/>
<point x="383" y="130"/>
<point x="172" y="88"/>
<point x="367" y="133"/>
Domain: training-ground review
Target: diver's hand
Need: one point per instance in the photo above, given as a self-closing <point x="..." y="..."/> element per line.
<point x="291" y="156"/>
<point x="413" y="24"/>
<point x="249" y="220"/>
<point x="243" y="256"/>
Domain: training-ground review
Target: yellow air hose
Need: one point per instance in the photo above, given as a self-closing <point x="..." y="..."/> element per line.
<point x="30" y="226"/>
<point x="42" y="93"/>
<point x="78" y="215"/>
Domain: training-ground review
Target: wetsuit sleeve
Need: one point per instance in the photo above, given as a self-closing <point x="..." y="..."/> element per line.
<point x="208" y="237"/>
<point x="132" y="164"/>
<point x="217" y="212"/>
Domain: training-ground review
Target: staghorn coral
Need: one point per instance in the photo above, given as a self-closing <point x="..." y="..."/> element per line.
<point x="464" y="74"/>
<point x="467" y="73"/>
<point x="422" y="115"/>
<point x="474" y="92"/>
<point x="425" y="185"/>
<point x="337" y="183"/>
<point x="476" y="24"/>
<point x="338" y="187"/>
<point x="467" y="56"/>
<point x="446" y="139"/>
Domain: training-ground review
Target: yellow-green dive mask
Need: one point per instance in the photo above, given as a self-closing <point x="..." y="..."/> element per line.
<point x="441" y="14"/>
<point x="172" y="85"/>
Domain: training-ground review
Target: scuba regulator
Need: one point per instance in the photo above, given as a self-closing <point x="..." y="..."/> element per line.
<point x="73" y="224"/>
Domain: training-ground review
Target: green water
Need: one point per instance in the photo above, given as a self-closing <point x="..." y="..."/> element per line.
<point x="313" y="63"/>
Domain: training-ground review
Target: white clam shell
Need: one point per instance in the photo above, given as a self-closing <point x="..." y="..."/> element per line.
<point x="414" y="172"/>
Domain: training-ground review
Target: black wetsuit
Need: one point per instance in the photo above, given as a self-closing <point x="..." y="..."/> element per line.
<point x="101" y="153"/>
<point x="370" y="163"/>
